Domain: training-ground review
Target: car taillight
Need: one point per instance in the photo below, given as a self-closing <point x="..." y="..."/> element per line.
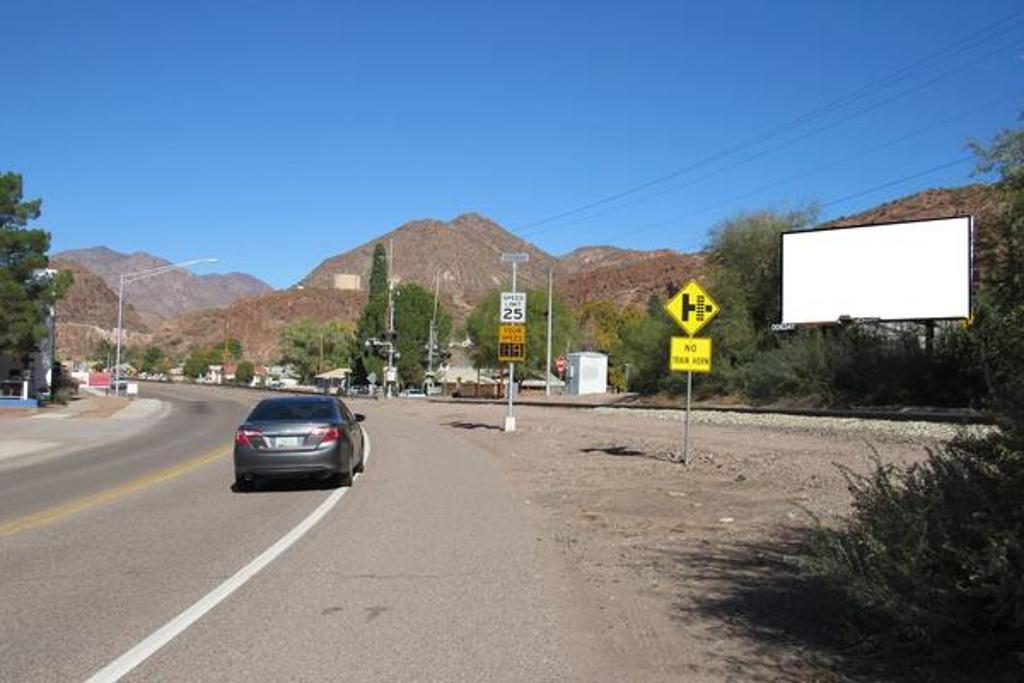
<point x="326" y="435"/>
<point x="243" y="436"/>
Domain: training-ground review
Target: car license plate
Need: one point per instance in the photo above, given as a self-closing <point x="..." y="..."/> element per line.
<point x="287" y="441"/>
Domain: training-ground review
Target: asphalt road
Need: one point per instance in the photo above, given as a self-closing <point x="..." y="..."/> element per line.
<point x="428" y="568"/>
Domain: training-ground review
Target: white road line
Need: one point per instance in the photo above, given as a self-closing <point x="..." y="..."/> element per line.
<point x="166" y="633"/>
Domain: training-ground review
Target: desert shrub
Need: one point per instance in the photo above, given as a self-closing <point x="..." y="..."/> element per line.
<point x="932" y="559"/>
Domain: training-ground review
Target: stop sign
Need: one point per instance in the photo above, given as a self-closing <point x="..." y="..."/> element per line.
<point x="560" y="364"/>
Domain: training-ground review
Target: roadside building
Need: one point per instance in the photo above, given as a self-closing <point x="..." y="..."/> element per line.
<point x="587" y="373"/>
<point x="333" y="381"/>
<point x="24" y="379"/>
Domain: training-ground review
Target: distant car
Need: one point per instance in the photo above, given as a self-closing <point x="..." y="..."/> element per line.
<point x="299" y="436"/>
<point x="413" y="393"/>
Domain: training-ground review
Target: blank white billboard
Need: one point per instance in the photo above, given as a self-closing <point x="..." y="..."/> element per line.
<point x="918" y="270"/>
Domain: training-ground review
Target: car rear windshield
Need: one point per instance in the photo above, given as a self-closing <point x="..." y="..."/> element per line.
<point x="298" y="410"/>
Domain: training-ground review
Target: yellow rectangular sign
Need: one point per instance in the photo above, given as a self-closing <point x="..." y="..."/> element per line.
<point x="511" y="334"/>
<point x="690" y="354"/>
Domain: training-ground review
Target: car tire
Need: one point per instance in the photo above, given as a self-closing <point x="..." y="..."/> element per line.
<point x="243" y="485"/>
<point x="345" y="478"/>
<point x="362" y="463"/>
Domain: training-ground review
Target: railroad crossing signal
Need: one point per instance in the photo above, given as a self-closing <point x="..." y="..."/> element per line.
<point x="692" y="308"/>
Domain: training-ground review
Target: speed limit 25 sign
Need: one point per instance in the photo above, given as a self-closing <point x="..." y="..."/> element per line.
<point x="513" y="307"/>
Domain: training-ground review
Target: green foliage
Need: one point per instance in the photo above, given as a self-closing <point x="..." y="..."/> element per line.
<point x="644" y="345"/>
<point x="197" y="364"/>
<point x="373" y="321"/>
<point x="482" y="328"/>
<point x="1005" y="277"/>
<point x="244" y="372"/>
<point x="25" y="296"/>
<point x="311" y="348"/>
<point x="414" y="307"/>
<point x="104" y="352"/>
<point x="932" y="559"/>
<point x="746" y="263"/>
<point x="152" y="359"/>
<point x="234" y="349"/>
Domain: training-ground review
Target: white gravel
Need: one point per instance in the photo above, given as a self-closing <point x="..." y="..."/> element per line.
<point x="845" y="426"/>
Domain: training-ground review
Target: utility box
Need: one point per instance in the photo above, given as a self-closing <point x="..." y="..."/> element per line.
<point x="587" y="373"/>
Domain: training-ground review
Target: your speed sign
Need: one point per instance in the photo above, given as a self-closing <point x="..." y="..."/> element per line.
<point x="513" y="307"/>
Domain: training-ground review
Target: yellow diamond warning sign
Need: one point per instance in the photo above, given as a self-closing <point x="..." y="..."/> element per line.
<point x="692" y="308"/>
<point x="688" y="354"/>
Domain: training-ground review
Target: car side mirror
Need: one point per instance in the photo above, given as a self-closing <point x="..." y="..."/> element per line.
<point x="360" y="417"/>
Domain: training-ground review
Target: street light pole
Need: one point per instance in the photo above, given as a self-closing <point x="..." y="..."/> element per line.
<point x="134" y="277"/>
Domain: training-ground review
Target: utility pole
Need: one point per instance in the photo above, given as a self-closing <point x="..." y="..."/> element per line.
<point x="547" y="365"/>
<point x="432" y="337"/>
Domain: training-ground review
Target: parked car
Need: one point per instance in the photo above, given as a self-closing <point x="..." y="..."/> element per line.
<point x="412" y="393"/>
<point x="299" y="436"/>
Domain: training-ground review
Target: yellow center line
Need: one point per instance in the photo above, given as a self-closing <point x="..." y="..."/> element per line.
<point x="58" y="512"/>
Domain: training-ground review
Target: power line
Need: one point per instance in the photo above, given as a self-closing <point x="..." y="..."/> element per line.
<point x="788" y="179"/>
<point x="962" y="45"/>
<point x="839" y="200"/>
<point x="912" y="176"/>
<point x="763" y="153"/>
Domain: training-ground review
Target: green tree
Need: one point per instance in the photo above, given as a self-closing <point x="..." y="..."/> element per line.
<point x="197" y="364"/>
<point x="645" y="345"/>
<point x="373" y="320"/>
<point x="103" y="353"/>
<point x="482" y="327"/>
<point x="414" y="307"/>
<point x="26" y="294"/>
<point x="244" y="372"/>
<point x="234" y="347"/>
<point x="999" y="324"/>
<point x="152" y="359"/>
<point x="312" y="348"/>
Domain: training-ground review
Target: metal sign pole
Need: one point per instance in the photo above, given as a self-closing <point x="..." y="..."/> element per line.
<point x="686" y="419"/>
<point x="510" y="418"/>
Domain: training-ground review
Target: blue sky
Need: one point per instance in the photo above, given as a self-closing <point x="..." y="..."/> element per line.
<point x="272" y="135"/>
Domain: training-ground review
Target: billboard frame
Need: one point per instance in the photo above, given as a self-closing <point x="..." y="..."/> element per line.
<point x="840" y="321"/>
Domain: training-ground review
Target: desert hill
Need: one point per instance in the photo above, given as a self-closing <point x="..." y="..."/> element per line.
<point x="257" y="321"/>
<point x="591" y="258"/>
<point x="171" y="294"/>
<point x="466" y="252"/>
<point x="88" y="313"/>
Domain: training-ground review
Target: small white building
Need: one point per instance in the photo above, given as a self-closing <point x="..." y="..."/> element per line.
<point x="587" y="373"/>
<point x="333" y="381"/>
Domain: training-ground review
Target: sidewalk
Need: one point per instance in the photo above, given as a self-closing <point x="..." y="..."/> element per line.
<point x="85" y="423"/>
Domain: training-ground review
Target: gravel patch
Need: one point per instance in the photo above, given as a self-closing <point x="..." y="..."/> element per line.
<point x="888" y="430"/>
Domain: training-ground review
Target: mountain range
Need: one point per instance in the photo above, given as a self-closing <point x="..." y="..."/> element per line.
<point x="180" y="310"/>
<point x="171" y="294"/>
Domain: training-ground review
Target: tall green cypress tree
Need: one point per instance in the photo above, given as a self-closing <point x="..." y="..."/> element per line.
<point x="373" y="321"/>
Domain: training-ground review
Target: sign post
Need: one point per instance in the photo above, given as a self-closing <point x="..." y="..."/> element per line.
<point x="691" y="308"/>
<point x="513" y="314"/>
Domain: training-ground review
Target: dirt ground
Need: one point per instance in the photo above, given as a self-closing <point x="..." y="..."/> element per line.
<point x="688" y="563"/>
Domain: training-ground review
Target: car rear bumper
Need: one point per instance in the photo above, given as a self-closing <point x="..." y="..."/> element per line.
<point x="252" y="462"/>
